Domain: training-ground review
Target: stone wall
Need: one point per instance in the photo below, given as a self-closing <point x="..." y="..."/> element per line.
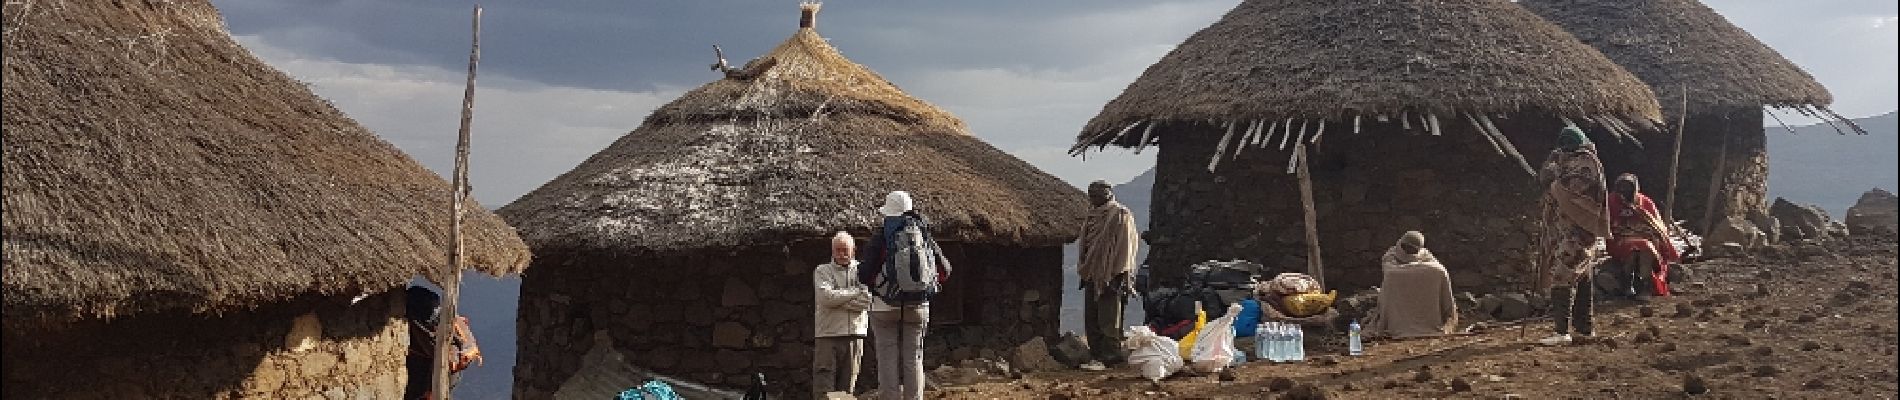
<point x="1475" y="207"/>
<point x="717" y="316"/>
<point x="1744" y="172"/>
<point x="314" y="348"/>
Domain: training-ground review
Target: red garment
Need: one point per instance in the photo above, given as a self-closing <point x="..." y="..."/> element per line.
<point x="1639" y="227"/>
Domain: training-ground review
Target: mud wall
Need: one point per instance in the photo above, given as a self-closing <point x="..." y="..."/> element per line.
<point x="1744" y="173"/>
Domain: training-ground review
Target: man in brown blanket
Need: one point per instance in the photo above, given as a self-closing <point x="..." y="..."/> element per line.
<point x="1415" y="296"/>
<point x="1575" y="215"/>
<point x="1108" y="243"/>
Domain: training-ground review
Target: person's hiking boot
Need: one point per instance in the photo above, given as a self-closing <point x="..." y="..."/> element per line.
<point x="1093" y="366"/>
<point x="1555" y="340"/>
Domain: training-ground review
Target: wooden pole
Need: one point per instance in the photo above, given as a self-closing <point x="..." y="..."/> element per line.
<point x="1675" y="160"/>
<point x="445" y="354"/>
<point x="1313" y="265"/>
<point x="1716" y="183"/>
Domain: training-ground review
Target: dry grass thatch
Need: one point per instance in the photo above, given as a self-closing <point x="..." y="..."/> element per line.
<point x="1677" y="44"/>
<point x="152" y="164"/>
<point x="1389" y="61"/>
<point x="798" y="149"/>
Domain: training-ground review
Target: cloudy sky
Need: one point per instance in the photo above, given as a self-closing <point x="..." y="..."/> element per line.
<point x="561" y="80"/>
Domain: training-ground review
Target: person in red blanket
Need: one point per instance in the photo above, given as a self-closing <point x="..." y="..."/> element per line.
<point x="1639" y="240"/>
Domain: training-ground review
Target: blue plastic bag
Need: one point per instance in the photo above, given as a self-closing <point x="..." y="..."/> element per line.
<point x="654" y="388"/>
<point x="1249" y="319"/>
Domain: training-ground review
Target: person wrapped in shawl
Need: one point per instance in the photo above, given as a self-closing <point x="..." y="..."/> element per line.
<point x="1574" y="217"/>
<point x="1108" y="246"/>
<point x="1415" y="297"/>
<point x="1640" y="240"/>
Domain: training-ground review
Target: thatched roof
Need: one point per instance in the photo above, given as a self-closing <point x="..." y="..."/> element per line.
<point x="1405" y="62"/>
<point x="152" y="164"/>
<point x="801" y="143"/>
<point x="1677" y="44"/>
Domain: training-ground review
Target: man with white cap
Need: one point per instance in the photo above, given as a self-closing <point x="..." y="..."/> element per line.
<point x="904" y="267"/>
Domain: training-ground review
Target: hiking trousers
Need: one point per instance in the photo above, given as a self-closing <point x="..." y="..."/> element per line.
<point x="1571" y="306"/>
<point x="900" y="367"/>
<point x="835" y="361"/>
<point x="1102" y="321"/>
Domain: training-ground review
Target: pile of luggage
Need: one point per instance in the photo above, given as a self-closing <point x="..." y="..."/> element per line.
<point x="1214" y="284"/>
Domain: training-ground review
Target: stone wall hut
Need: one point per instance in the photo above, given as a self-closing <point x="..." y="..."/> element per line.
<point x="183" y="221"/>
<point x="1728" y="75"/>
<point x="1415" y="113"/>
<point x="691" y="239"/>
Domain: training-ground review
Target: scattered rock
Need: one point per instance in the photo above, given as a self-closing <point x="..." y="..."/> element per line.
<point x="1692" y="384"/>
<point x="1766" y="371"/>
<point x="1667" y="347"/>
<point x="1644" y="337"/>
<point x="1033" y="356"/>
<point x="1645" y="311"/>
<point x="1754" y="324"/>
<point x="1762" y="351"/>
<point x="1390" y="385"/>
<point x="1227" y="375"/>
<point x="1071" y="350"/>
<point x="1348" y="387"/>
<point x="1460" y="385"/>
<point x="1799" y="221"/>
<point x="1305" y="391"/>
<point x="1684" y="311"/>
<point x="1804" y="318"/>
<point x="1506" y="307"/>
<point x="1323" y="361"/>
<point x="1424" y="374"/>
<point x="1810" y="346"/>
<point x="1739" y="231"/>
<point x="1814" y="384"/>
<point x="1875" y="213"/>
<point x="1279" y="384"/>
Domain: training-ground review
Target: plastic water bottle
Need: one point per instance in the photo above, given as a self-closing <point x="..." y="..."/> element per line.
<point x="1280" y="340"/>
<point x="1260" y="342"/>
<point x="1299" y="344"/>
<point x="1354" y="346"/>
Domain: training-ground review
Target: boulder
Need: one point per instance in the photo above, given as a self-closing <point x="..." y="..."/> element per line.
<point x="1875" y="213"/>
<point x="1800" y="221"/>
<point x="1506" y="307"/>
<point x="1033" y="356"/>
<point x="1072" y="350"/>
<point x="1769" y="225"/>
<point x="1740" y="231"/>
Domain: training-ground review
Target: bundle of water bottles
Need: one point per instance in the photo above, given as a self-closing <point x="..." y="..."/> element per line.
<point x="1284" y="342"/>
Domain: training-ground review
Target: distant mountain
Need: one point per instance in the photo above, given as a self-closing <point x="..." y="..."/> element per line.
<point x="1819" y="166"/>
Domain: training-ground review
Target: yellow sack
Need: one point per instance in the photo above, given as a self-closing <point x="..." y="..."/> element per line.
<point x="1200" y="320"/>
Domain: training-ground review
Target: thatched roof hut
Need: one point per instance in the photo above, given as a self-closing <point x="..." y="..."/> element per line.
<point x="1683" y="48"/>
<point x="164" y="186"/>
<point x="1404" y="102"/>
<point x="725" y="198"/>
<point x="1354" y="62"/>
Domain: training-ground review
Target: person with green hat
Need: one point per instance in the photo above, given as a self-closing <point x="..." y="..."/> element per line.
<point x="1575" y="215"/>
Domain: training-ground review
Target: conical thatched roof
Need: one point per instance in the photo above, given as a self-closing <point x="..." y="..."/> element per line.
<point x="1677" y="44"/>
<point x="801" y="143"/>
<point x="1393" y="60"/>
<point x="152" y="164"/>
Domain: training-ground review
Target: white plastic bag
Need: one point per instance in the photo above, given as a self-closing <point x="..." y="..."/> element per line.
<point x="1154" y="355"/>
<point x="1214" y="350"/>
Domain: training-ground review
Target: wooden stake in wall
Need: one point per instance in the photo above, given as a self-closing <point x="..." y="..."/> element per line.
<point x="445" y="354"/>
<point x="1675" y="160"/>
<point x="1314" y="266"/>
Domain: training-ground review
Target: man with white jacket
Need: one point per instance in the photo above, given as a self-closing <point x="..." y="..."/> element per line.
<point x="838" y="319"/>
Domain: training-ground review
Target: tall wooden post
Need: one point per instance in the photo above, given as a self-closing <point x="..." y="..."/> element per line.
<point x="1675" y="160"/>
<point x="1716" y="182"/>
<point x="1314" y="266"/>
<point x="445" y="354"/>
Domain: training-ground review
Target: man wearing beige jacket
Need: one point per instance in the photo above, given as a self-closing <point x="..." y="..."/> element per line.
<point x="838" y="319"/>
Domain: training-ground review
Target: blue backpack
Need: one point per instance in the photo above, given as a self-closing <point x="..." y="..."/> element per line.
<point x="1249" y="319"/>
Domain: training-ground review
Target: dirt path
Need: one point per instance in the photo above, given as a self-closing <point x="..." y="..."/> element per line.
<point x="1799" y="322"/>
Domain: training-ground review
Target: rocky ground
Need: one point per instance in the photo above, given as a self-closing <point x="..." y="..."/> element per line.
<point x="1813" y="320"/>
